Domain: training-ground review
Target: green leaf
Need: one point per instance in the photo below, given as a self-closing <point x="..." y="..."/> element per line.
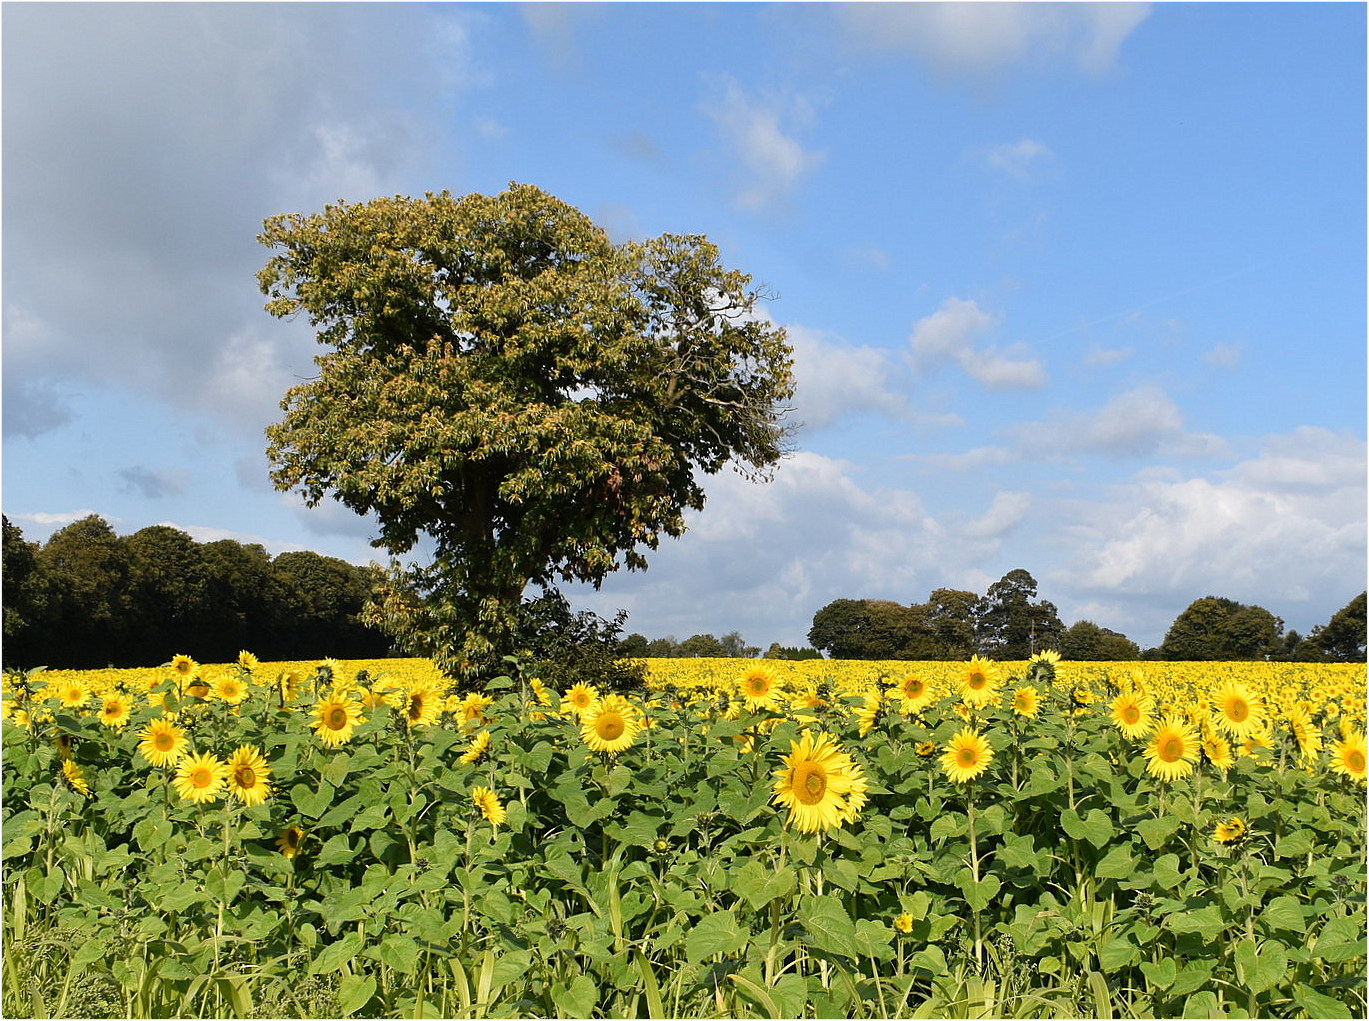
<point x="354" y="992"/>
<point x="576" y="998"/>
<point x="336" y="850"/>
<point x="718" y="933"/>
<point x="1318" y="1004"/>
<point x="1260" y="968"/>
<point x="1116" y="864"/>
<point x="1160" y="974"/>
<point x="828" y="925"/>
<point x="1294" y="845"/>
<point x="1155" y="832"/>
<point x="978" y="895"/>
<point x="312" y="802"/>
<point x="759" y="884"/>
<point x="400" y="952"/>
<point x="1282" y="914"/>
<point x="332" y="957"/>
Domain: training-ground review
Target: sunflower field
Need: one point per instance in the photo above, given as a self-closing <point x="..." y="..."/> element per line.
<point x="742" y="838"/>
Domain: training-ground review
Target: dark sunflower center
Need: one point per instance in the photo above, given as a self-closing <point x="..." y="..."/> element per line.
<point x="977" y="681"/>
<point x="1237" y="711"/>
<point x="1131" y="714"/>
<point x="1355" y="760"/>
<point x="610" y="726"/>
<point x="163" y="741"/>
<point x="336" y="718"/>
<point x="202" y="778"/>
<point x="967" y="757"/>
<point x="1172" y="749"/>
<point x="245" y="777"/>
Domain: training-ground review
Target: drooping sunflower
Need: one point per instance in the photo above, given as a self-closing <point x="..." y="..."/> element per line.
<point x="819" y="783"/>
<point x="473" y="706"/>
<point x="423" y="706"/>
<point x="580" y="699"/>
<point x="1305" y="732"/>
<point x="63" y="743"/>
<point x="1026" y="702"/>
<point x="1173" y="749"/>
<point x="115" y="709"/>
<point x="75" y="778"/>
<point x="488" y="805"/>
<point x="1230" y="831"/>
<point x="289" y="840"/>
<point x="248" y="776"/>
<point x="247" y="661"/>
<point x="966" y="756"/>
<point x="335" y="719"/>
<point x="1133" y="714"/>
<point x="926" y="749"/>
<point x="1217" y="750"/>
<point x="979" y="683"/>
<point x="200" y="778"/>
<point x="1348" y="756"/>
<point x="758" y="687"/>
<point x="612" y="726"/>
<point x="914" y="694"/>
<point x="162" y="743"/>
<point x="480" y="745"/>
<point x="867" y="713"/>
<point x="1237" y="711"/>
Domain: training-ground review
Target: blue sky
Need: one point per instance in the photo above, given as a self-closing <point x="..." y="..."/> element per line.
<point x="1073" y="288"/>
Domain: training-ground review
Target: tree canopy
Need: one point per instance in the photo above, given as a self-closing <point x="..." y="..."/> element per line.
<point x="504" y="381"/>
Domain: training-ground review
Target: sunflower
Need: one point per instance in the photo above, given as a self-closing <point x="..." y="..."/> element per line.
<point x="247" y="661"/>
<point x="289" y="683"/>
<point x="71" y="693"/>
<point x="77" y="779"/>
<point x="480" y="746"/>
<point x="473" y="706"/>
<point x="1237" y="711"/>
<point x="248" y="776"/>
<point x="914" y="694"/>
<point x="1230" y="831"/>
<point x="1133" y="714"/>
<point x="819" y="784"/>
<point x="230" y="688"/>
<point x="979" y="683"/>
<point x="758" y="688"/>
<point x="423" y="706"/>
<point x="115" y="709"/>
<point x="1172" y="750"/>
<point x="611" y="726"/>
<point x="904" y="923"/>
<point x="62" y="742"/>
<point x="1348" y="756"/>
<point x="966" y="756"/>
<point x="926" y="749"/>
<point x="1026" y="702"/>
<point x="335" y="719"/>
<point x="1305" y="732"/>
<point x="289" y="840"/>
<point x="162" y="743"/>
<point x="580" y="699"/>
<point x="540" y="691"/>
<point x="183" y="666"/>
<point x="1217" y="750"/>
<point x="487" y="803"/>
<point x="200" y="778"/>
<point x="868" y="712"/>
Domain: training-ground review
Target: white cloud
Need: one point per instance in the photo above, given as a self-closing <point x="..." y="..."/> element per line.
<point x="1007" y="511"/>
<point x="1019" y="159"/>
<point x="1142" y="422"/>
<point x="1226" y="356"/>
<point x="949" y="335"/>
<point x="835" y="380"/>
<point x="774" y="161"/>
<point x="1108" y="355"/>
<point x="985" y="38"/>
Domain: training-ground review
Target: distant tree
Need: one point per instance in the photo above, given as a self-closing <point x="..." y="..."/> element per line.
<point x="778" y="651"/>
<point x="1086" y="641"/>
<point x="1217" y="628"/>
<point x="634" y="646"/>
<point x="167" y="611"/>
<point x="249" y="607"/>
<point x="1343" y="637"/>
<point x="735" y="646"/>
<point x="326" y="596"/>
<point x="863" y="629"/>
<point x="663" y="648"/>
<point x="501" y="378"/>
<point x="1008" y="625"/>
<point x="701" y="645"/>
<point x="88" y="603"/>
<point x="24" y="598"/>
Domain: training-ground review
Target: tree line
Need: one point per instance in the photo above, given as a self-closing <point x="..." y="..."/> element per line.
<point x="88" y="598"/>
<point x="1008" y="622"/>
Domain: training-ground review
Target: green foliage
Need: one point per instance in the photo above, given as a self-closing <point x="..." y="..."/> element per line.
<point x="1215" y="628"/>
<point x="1063" y="882"/>
<point x="504" y="380"/>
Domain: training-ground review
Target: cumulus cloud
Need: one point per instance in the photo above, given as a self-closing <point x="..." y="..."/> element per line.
<point x="773" y="161"/>
<point x="949" y="336"/>
<point x="150" y="483"/>
<point x="980" y="39"/>
<point x="151" y="140"/>
<point x="834" y="380"/>
<point x="1285" y="529"/>
<point x="1142" y="422"/>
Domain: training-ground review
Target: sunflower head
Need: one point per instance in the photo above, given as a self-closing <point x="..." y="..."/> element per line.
<point x="903" y="923"/>
<point x="423" y="706"/>
<point x="200" y="778"/>
<point x="1230" y="831"/>
<point x="979" y="683"/>
<point x="1026" y="702"/>
<point x="115" y="709"/>
<point x="75" y="778"/>
<point x="758" y="687"/>
<point x="612" y="726"/>
<point x="820" y="784"/>
<point x="248" y="776"/>
<point x="1348" y="756"/>
<point x="1236" y="710"/>
<point x="1132" y="714"/>
<point x="1173" y="749"/>
<point x="966" y="756"/>
<point x="335" y="719"/>
<point x="486" y="802"/>
<point x="289" y="840"/>
<point x="163" y="743"/>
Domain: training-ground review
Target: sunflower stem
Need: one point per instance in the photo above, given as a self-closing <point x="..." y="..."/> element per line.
<point x="974" y="873"/>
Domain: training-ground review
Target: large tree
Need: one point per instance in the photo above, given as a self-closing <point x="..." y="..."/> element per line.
<point x="1008" y="625"/>
<point x="502" y="379"/>
<point x="1213" y="628"/>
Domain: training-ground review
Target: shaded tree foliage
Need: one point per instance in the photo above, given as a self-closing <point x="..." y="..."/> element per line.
<point x="1216" y="628"/>
<point x="1085" y="640"/>
<point x="89" y="598"/>
<point x="1009" y="625"/>
<point x="502" y="379"/>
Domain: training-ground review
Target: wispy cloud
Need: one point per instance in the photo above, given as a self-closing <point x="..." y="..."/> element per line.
<point x="951" y="335"/>
<point x="1019" y="159"/>
<point x="773" y="161"/>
